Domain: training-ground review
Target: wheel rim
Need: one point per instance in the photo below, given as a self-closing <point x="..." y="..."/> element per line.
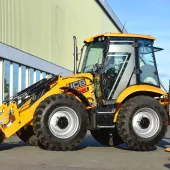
<point x="64" y="122"/>
<point x="146" y="122"/>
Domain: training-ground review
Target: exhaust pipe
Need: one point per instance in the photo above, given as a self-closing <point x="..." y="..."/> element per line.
<point x="75" y="54"/>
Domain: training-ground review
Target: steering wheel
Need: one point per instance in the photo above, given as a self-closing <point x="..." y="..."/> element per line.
<point x="108" y="80"/>
<point x="111" y="72"/>
<point x="96" y="67"/>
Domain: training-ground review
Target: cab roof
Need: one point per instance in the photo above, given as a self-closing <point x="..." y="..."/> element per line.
<point x="128" y="35"/>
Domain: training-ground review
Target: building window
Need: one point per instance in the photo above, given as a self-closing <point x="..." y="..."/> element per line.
<point x="6" y="79"/>
<point x="43" y="75"/>
<point x="18" y="77"/>
<point x="49" y="76"/>
<point x="31" y="76"/>
<point x="37" y="75"/>
<point x="23" y="77"/>
<point x="15" y="78"/>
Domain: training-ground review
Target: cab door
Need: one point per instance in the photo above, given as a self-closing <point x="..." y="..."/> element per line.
<point x="118" y="69"/>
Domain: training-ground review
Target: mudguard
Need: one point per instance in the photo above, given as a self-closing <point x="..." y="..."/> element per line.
<point x="142" y="89"/>
<point x="76" y="93"/>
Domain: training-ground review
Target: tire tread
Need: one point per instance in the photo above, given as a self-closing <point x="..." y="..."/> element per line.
<point x="38" y="125"/>
<point x="125" y="133"/>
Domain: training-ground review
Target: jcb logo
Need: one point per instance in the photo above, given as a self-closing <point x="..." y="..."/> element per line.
<point x="77" y="84"/>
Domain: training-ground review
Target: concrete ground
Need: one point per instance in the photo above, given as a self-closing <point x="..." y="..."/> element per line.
<point x="14" y="155"/>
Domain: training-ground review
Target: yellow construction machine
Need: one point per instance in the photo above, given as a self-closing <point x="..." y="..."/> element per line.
<point x="115" y="93"/>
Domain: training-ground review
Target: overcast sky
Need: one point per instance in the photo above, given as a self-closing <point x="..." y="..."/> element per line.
<point x="151" y="17"/>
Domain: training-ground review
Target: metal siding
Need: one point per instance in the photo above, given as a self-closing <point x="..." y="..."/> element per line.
<point x="45" y="28"/>
<point x="20" y="57"/>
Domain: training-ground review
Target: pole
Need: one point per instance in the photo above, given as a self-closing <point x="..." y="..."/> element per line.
<point x="75" y="54"/>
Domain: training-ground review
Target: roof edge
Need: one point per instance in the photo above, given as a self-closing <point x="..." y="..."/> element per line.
<point x="13" y="54"/>
<point x="130" y="35"/>
<point x="112" y="15"/>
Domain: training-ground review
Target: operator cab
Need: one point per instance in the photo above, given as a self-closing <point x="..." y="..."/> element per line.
<point x="121" y="60"/>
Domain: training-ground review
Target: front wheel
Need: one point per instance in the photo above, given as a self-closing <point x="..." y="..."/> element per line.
<point x="60" y="122"/>
<point x="142" y="122"/>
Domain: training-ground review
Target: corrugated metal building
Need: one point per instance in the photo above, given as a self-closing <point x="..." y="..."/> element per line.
<point x="45" y="29"/>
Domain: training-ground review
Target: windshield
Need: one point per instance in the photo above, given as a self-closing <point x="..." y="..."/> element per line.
<point x="148" y="68"/>
<point x="93" y="56"/>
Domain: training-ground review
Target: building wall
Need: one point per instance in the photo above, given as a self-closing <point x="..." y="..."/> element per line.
<point x="45" y="28"/>
<point x="19" y="70"/>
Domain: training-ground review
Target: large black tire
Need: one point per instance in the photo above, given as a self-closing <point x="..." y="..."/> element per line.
<point x="129" y="130"/>
<point x="107" y="137"/>
<point x="45" y="113"/>
<point x="26" y="134"/>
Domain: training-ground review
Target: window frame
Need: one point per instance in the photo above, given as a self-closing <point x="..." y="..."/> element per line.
<point x="137" y="56"/>
<point x="105" y="48"/>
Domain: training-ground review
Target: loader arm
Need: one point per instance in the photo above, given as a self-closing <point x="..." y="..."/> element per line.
<point x="19" y="109"/>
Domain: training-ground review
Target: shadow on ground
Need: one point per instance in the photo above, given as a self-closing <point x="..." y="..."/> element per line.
<point x="167" y="166"/>
<point x="11" y="145"/>
<point x="164" y="144"/>
<point x="89" y="141"/>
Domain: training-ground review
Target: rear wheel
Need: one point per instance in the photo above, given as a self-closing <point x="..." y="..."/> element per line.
<point x="142" y="122"/>
<point x="107" y="137"/>
<point x="60" y="122"/>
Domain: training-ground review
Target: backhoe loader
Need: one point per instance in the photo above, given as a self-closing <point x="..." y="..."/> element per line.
<point x="114" y="92"/>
